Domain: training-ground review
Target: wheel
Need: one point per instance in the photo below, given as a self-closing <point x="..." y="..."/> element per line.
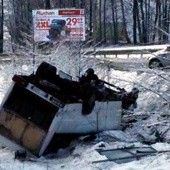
<point x="155" y="63"/>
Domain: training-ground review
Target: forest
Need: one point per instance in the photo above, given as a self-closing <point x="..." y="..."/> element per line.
<point x="108" y="22"/>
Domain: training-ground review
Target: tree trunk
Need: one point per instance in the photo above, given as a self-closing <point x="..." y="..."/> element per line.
<point x="149" y="20"/>
<point x="138" y="23"/>
<point x="115" y="35"/>
<point x="160" y="22"/>
<point x="156" y="19"/>
<point x="104" y="21"/>
<point x="47" y="4"/>
<point x="124" y="23"/>
<point x="1" y="26"/>
<point x="144" y="31"/>
<point x="90" y="19"/>
<point x="168" y="19"/>
<point x="134" y="22"/>
<point x="165" y="21"/>
<point x="100" y="20"/>
<point x="94" y="4"/>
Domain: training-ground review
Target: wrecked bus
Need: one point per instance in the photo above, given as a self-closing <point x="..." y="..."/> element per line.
<point x="41" y="105"/>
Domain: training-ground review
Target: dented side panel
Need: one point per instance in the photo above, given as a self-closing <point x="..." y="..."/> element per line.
<point x="104" y="116"/>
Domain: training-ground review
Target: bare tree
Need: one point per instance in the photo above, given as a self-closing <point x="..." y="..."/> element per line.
<point x="91" y="19"/>
<point x="135" y="21"/>
<point x="114" y="20"/>
<point x="104" y="22"/>
<point x="47" y="4"/>
<point x="165" y="21"/>
<point x="100" y="20"/>
<point x="124" y="22"/>
<point x="1" y="25"/>
<point x="138" y="23"/>
<point x="143" y="20"/>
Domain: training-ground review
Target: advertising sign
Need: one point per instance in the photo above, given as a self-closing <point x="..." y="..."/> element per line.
<point x="57" y="24"/>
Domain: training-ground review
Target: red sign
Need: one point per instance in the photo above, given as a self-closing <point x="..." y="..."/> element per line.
<point x="71" y="12"/>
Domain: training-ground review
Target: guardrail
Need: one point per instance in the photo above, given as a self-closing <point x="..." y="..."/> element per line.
<point x="124" y="50"/>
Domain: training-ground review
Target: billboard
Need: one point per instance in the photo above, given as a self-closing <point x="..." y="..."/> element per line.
<point x="57" y="24"/>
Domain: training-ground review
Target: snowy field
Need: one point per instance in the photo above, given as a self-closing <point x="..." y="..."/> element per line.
<point x="153" y="104"/>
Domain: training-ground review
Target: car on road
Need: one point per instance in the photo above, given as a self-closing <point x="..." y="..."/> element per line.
<point x="160" y="59"/>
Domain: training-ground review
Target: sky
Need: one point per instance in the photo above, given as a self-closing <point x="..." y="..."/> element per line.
<point x="152" y="104"/>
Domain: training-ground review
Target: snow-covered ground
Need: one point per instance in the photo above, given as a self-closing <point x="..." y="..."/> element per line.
<point x="153" y="104"/>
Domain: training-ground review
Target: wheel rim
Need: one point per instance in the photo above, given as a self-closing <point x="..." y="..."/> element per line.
<point x="155" y="64"/>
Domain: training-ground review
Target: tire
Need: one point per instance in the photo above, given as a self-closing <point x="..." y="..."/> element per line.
<point x="155" y="63"/>
<point x="45" y="70"/>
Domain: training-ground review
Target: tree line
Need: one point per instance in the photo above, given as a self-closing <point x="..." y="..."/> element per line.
<point x="107" y="21"/>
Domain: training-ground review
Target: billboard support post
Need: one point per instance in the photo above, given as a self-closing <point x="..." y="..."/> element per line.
<point x="34" y="55"/>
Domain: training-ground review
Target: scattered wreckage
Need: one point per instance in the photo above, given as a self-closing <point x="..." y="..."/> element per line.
<point x="128" y="154"/>
<point x="44" y="106"/>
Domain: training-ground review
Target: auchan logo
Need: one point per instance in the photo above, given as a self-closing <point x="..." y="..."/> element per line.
<point x="45" y="13"/>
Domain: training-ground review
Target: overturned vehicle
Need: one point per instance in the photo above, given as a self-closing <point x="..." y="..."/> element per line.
<point x="40" y="107"/>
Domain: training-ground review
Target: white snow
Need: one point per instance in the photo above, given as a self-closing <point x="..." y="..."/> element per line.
<point x="153" y="101"/>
